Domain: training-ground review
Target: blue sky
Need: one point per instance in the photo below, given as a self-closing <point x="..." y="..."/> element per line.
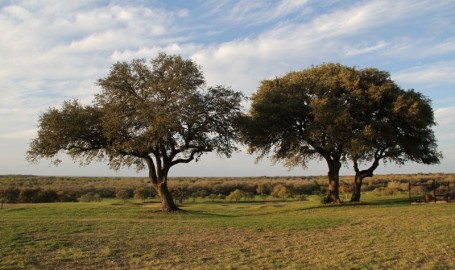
<point x="51" y="51"/>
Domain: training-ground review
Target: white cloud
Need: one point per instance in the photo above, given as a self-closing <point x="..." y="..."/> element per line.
<point x="289" y="6"/>
<point x="446" y="117"/>
<point x="433" y="74"/>
<point x="362" y="49"/>
<point x="55" y="50"/>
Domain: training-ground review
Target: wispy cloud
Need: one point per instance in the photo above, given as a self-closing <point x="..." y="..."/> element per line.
<point x="55" y="50"/>
<point x="432" y="74"/>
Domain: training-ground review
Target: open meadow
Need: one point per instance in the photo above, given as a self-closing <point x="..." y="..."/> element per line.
<point x="383" y="232"/>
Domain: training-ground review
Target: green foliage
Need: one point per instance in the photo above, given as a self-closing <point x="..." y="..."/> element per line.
<point x="236" y="195"/>
<point x="151" y="115"/>
<point x="69" y="189"/>
<point x="37" y="195"/>
<point x="122" y="194"/>
<point x="339" y="113"/>
<point x="281" y="192"/>
<point x="264" y="189"/>
<point x="9" y="195"/>
<point x="181" y="193"/>
<point x="142" y="193"/>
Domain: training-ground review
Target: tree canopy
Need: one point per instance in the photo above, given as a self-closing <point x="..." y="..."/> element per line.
<point x="394" y="125"/>
<point x="150" y="114"/>
<point x="339" y="113"/>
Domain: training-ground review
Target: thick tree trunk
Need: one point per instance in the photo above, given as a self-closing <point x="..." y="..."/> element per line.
<point x="167" y="202"/>
<point x="356" y="193"/>
<point x="158" y="177"/>
<point x="334" y="181"/>
<point x="359" y="176"/>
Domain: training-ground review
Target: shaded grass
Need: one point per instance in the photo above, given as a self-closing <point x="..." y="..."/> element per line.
<point x="377" y="234"/>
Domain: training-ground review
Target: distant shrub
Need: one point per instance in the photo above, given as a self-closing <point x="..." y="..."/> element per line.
<point x="9" y="195"/>
<point x="236" y="195"/>
<point x="122" y="194"/>
<point x="181" y="193"/>
<point x="90" y="197"/>
<point x="281" y="192"/>
<point x="141" y="193"/>
<point x="264" y="190"/>
<point x="249" y="196"/>
<point x="37" y="195"/>
<point x="67" y="196"/>
<point x="29" y="195"/>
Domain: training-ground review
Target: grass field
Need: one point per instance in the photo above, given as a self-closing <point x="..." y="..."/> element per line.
<point x="381" y="233"/>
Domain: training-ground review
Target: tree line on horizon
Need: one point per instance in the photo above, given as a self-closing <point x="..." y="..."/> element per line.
<point x="36" y="189"/>
<point x="157" y="114"/>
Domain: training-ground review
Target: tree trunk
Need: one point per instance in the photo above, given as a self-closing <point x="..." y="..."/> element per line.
<point x="167" y="202"/>
<point x="334" y="181"/>
<point x="359" y="176"/>
<point x="158" y="177"/>
<point x="357" y="187"/>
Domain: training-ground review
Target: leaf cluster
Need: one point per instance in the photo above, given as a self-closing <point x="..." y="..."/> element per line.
<point x="156" y="113"/>
<point x="337" y="112"/>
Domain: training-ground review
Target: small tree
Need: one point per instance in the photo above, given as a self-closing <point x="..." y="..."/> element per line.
<point x="281" y="191"/>
<point x="141" y="193"/>
<point x="9" y="195"/>
<point x="122" y="194"/>
<point x="181" y="193"/>
<point x="263" y="190"/>
<point x="236" y="195"/>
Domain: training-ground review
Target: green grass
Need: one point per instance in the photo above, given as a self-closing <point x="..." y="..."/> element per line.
<point x="382" y="233"/>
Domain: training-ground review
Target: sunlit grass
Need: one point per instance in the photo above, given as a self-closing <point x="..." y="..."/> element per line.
<point x="381" y="233"/>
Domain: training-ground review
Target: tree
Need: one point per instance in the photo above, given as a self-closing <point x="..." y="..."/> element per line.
<point x="281" y="191"/>
<point x="303" y="116"/>
<point x="394" y="125"/>
<point x="263" y="190"/>
<point x="236" y="195"/>
<point x="339" y="113"/>
<point x="141" y="193"/>
<point x="122" y="194"/>
<point x="9" y="195"/>
<point x="181" y="193"/>
<point x="152" y="115"/>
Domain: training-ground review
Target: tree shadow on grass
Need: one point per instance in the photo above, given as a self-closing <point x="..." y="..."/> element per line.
<point x="385" y="202"/>
<point x="389" y="202"/>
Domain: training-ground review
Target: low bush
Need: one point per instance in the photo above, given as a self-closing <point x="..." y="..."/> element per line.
<point x="90" y="197"/>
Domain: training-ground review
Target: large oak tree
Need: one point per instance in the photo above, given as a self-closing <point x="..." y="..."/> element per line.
<point x="339" y="113"/>
<point x="150" y="114"/>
